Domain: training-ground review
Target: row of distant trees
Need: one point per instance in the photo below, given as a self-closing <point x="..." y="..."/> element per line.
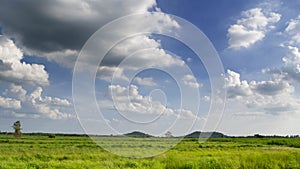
<point x="275" y="136"/>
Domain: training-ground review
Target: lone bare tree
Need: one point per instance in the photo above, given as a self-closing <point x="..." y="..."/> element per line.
<point x="17" y="127"/>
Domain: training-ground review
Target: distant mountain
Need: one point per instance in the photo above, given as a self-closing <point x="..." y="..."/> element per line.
<point x="137" y="134"/>
<point x="198" y="134"/>
<point x="195" y="134"/>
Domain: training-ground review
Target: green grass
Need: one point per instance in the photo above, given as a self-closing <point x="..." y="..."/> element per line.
<point x="66" y="152"/>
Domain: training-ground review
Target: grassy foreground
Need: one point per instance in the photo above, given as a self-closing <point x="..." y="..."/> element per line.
<point x="82" y="152"/>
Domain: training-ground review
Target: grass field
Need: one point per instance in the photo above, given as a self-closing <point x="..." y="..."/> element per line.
<point x="82" y="152"/>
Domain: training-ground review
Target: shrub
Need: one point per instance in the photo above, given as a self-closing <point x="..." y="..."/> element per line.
<point x="51" y="136"/>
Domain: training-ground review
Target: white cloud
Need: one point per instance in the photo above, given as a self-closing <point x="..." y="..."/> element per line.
<point x="293" y="30"/>
<point x="137" y="104"/>
<point x="272" y="87"/>
<point x="183" y="114"/>
<point x="33" y="105"/>
<point x="9" y="103"/>
<point x="16" y="91"/>
<point x="130" y="102"/>
<point x="247" y="114"/>
<point x="191" y="81"/>
<point x="206" y="98"/>
<point x="66" y="58"/>
<point x="17" y="115"/>
<point x="240" y="36"/>
<point x="60" y="102"/>
<point x="292" y="63"/>
<point x="147" y="81"/>
<point x="36" y="97"/>
<point x="123" y="57"/>
<point x="256" y="19"/>
<point x="291" y="68"/>
<point x="189" y="59"/>
<point x="108" y="72"/>
<point x="251" y="28"/>
<point x="272" y="97"/>
<point x="236" y="87"/>
<point x="19" y="72"/>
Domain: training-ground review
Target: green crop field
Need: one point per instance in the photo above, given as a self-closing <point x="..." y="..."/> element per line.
<point x="82" y="152"/>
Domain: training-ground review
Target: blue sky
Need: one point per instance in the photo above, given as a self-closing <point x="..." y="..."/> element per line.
<point x="257" y="42"/>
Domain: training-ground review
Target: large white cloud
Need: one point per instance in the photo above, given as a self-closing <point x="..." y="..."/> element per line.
<point x="20" y="104"/>
<point x="130" y="102"/>
<point x="155" y="57"/>
<point x="271" y="87"/>
<point x="124" y="57"/>
<point x="274" y="97"/>
<point x="16" y="91"/>
<point x="121" y="96"/>
<point x="17" y="71"/>
<point x="236" y="87"/>
<point x="252" y="27"/>
<point x="9" y="103"/>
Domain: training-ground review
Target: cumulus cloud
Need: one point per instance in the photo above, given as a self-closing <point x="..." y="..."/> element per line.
<point x="130" y="102"/>
<point x="272" y="87"/>
<point x="155" y="55"/>
<point x="107" y="73"/>
<point x="135" y="53"/>
<point x="293" y="30"/>
<point x="65" y="57"/>
<point x="240" y="88"/>
<point x="20" y="104"/>
<point x="252" y="27"/>
<point x="290" y="70"/>
<point x="280" y="104"/>
<point x="240" y="36"/>
<point x="9" y="103"/>
<point x="291" y="61"/>
<point x="147" y="81"/>
<point x="190" y="81"/>
<point x="15" y="70"/>
<point x="183" y="114"/>
<point x="236" y="87"/>
<point x="36" y="96"/>
<point x="271" y="97"/>
<point x="16" y="91"/>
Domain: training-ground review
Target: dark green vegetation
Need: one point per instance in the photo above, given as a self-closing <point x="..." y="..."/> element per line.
<point x="81" y="152"/>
